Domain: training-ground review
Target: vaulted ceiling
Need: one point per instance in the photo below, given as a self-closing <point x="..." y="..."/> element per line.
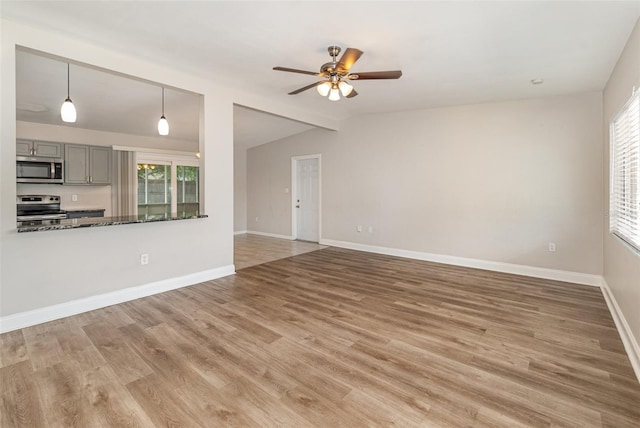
<point x="451" y="53"/>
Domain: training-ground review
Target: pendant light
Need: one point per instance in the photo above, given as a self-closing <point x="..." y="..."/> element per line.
<point x="163" y="125"/>
<point x="68" y="110"/>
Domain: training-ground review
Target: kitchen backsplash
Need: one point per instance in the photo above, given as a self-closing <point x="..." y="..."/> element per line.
<point x="88" y="197"/>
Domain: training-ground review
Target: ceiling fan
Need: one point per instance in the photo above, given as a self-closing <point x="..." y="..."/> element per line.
<point x="337" y="75"/>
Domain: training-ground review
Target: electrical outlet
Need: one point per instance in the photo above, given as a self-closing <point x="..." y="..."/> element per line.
<point x="359" y="228"/>
<point x="370" y="229"/>
<point x="256" y="219"/>
<point x="74" y="198"/>
<point x="144" y="259"/>
<point x="552" y="247"/>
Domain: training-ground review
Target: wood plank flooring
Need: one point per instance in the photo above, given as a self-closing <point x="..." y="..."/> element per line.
<point x="251" y="250"/>
<point x="330" y="338"/>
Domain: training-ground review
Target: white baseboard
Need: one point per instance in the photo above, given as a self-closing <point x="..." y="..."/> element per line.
<point x="240" y="232"/>
<point x="628" y="339"/>
<point x="270" y="235"/>
<point x="74" y="307"/>
<point x="537" y="272"/>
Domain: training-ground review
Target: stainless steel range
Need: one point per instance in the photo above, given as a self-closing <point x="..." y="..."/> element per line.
<point x="39" y="209"/>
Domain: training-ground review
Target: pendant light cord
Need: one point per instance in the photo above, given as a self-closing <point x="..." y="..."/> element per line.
<point x="162" y="102"/>
<point x="68" y="84"/>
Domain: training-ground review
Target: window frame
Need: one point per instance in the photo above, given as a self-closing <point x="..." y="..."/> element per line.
<point x="163" y="163"/>
<point x="173" y="161"/>
<point x="179" y="196"/>
<point x="624" y="186"/>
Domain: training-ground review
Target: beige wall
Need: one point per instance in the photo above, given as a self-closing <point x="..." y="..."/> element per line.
<point x="38" y="270"/>
<point x="621" y="264"/>
<point x="69" y="134"/>
<point x="56" y="273"/>
<point x="239" y="189"/>
<point x="494" y="182"/>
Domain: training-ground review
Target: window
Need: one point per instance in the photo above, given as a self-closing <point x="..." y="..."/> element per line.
<point x="168" y="187"/>
<point x="624" y="192"/>
<point x="154" y="190"/>
<point x="188" y="191"/>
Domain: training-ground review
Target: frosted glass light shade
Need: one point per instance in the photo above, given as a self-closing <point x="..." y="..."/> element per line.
<point x="163" y="126"/>
<point x="334" y="94"/>
<point x="324" y="89"/>
<point x="345" y="88"/>
<point x="68" y="111"/>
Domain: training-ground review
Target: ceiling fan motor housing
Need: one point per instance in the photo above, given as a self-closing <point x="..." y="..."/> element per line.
<point x="334" y="51"/>
<point x="333" y="69"/>
<point x="328" y="69"/>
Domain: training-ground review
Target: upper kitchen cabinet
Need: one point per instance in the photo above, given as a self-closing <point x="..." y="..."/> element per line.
<point x="39" y="148"/>
<point x="87" y="164"/>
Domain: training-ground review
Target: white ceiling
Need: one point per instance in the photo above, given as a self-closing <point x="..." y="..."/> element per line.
<point x="451" y="53"/>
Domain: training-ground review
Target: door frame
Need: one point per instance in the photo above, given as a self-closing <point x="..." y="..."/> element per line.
<point x="294" y="191"/>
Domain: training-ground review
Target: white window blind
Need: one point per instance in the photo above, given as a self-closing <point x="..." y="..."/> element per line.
<point x="624" y="192"/>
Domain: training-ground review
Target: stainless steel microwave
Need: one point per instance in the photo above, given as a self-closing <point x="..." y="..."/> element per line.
<point x="39" y="170"/>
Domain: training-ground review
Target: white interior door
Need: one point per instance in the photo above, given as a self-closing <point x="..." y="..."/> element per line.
<point x="307" y="199"/>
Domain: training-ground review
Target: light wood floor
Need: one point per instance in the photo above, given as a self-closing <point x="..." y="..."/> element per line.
<point x="330" y="338"/>
<point x="251" y="250"/>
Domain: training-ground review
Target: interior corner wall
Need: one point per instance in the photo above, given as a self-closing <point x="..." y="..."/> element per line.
<point x="239" y="189"/>
<point x="621" y="263"/>
<point x="495" y="182"/>
<point x="45" y="269"/>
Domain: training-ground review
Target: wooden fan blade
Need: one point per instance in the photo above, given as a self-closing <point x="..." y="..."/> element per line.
<point x="294" y="70"/>
<point x="352" y="94"/>
<point x="395" y="74"/>
<point x="349" y="57"/>
<point x="304" y="88"/>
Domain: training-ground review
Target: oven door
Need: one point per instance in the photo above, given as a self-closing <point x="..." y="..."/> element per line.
<point x="33" y="170"/>
<point x="39" y="217"/>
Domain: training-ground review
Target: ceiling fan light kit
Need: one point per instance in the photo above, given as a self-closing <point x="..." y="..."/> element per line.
<point x="337" y="75"/>
<point x="68" y="110"/>
<point x="324" y="88"/>
<point x="345" y="88"/>
<point x="334" y="93"/>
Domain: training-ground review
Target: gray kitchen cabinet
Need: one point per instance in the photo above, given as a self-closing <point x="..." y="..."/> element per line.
<point x="76" y="162"/>
<point x="99" y="165"/>
<point x="87" y="164"/>
<point x="39" y="148"/>
<point x="24" y="148"/>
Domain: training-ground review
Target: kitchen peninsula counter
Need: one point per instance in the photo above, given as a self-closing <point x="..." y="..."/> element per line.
<point x="75" y="223"/>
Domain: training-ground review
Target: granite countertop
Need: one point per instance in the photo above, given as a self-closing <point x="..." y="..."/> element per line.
<point x="87" y="210"/>
<point x="75" y="223"/>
